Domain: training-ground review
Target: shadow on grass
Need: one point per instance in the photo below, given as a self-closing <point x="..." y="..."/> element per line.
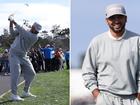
<point x="5" y="102"/>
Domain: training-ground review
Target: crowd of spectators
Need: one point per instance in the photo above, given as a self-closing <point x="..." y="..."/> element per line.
<point x="46" y="59"/>
<point x="49" y="58"/>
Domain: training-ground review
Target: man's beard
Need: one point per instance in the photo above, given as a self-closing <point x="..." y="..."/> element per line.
<point x="118" y="30"/>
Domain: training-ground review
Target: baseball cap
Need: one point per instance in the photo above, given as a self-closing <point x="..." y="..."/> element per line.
<point x="115" y="9"/>
<point x="37" y="26"/>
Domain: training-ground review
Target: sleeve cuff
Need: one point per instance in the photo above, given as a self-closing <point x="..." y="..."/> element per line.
<point x="93" y="87"/>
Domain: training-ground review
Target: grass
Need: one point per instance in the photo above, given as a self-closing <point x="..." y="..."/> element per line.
<point x="51" y="89"/>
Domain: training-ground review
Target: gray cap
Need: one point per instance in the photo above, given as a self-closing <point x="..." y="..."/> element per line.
<point x="37" y="26"/>
<point x="115" y="9"/>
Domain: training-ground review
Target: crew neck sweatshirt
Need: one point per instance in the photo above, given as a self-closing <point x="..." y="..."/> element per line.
<point x="113" y="65"/>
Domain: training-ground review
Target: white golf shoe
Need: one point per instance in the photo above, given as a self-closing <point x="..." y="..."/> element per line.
<point x="28" y="94"/>
<point x="16" y="98"/>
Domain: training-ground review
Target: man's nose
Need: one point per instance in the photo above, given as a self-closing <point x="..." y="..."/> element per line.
<point x="116" y="19"/>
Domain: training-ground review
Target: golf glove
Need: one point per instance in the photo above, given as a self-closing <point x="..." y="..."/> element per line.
<point x="11" y="17"/>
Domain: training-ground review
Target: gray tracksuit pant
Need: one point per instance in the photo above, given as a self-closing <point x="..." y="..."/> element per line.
<point x="18" y="63"/>
<point x="106" y="98"/>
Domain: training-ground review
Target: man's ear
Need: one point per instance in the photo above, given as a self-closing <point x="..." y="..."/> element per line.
<point x="106" y="20"/>
<point x="126" y="19"/>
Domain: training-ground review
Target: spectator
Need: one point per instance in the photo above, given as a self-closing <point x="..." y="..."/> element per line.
<point x="48" y="56"/>
<point x="67" y="58"/>
<point x="59" y="59"/>
<point x="40" y="60"/>
<point x="6" y="62"/>
<point x="1" y="63"/>
<point x="33" y="58"/>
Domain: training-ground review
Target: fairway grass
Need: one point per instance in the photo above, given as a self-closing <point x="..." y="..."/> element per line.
<point x="51" y="88"/>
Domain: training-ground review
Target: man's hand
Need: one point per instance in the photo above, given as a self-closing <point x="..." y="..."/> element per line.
<point x="95" y="93"/>
<point x="11" y="17"/>
<point x="12" y="22"/>
<point x="138" y="96"/>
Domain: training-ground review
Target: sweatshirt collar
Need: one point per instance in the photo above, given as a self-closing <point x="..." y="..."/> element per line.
<point x="112" y="37"/>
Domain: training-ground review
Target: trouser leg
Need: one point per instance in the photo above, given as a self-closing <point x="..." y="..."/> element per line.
<point x="46" y="64"/>
<point x="67" y="63"/>
<point x="28" y="73"/>
<point x="15" y="73"/>
<point x="61" y="64"/>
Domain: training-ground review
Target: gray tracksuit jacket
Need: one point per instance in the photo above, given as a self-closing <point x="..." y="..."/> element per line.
<point x="23" y="40"/>
<point x="113" y="65"/>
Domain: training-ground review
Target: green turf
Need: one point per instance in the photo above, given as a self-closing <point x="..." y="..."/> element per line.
<point x="51" y="89"/>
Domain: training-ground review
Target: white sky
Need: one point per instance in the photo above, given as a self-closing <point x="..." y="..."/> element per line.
<point x="47" y="14"/>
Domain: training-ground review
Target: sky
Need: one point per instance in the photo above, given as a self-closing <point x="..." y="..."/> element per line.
<point x="88" y="20"/>
<point x="45" y="12"/>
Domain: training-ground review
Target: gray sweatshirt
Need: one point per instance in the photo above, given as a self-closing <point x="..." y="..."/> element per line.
<point x="113" y="65"/>
<point x="23" y="40"/>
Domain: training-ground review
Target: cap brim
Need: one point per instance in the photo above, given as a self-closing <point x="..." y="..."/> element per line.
<point x="115" y="14"/>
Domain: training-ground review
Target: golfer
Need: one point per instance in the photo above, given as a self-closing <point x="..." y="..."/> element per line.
<point x="111" y="68"/>
<point x="19" y="60"/>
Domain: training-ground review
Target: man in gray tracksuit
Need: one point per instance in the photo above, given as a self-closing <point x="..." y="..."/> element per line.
<point x="19" y="60"/>
<point x="111" y="68"/>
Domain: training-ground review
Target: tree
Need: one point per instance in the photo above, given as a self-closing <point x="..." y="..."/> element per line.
<point x="60" y="39"/>
<point x="64" y="32"/>
<point x="26" y="23"/>
<point x="5" y="31"/>
<point x="55" y="30"/>
<point x="44" y="34"/>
